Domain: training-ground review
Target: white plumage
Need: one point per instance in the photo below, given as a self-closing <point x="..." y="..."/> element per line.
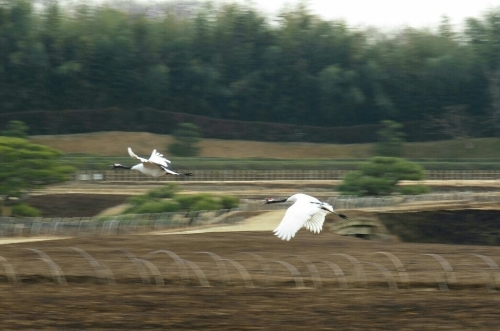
<point x="307" y="211"/>
<point x="155" y="166"/>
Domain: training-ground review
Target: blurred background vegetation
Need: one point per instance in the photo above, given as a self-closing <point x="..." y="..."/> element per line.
<point x="169" y="199"/>
<point x="197" y="70"/>
<point x="115" y="67"/>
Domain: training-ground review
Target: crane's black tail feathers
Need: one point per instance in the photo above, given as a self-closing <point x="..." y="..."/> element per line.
<point x="188" y="174"/>
<point x="343" y="216"/>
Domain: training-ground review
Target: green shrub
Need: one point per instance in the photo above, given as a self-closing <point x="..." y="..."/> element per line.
<point x="137" y="200"/>
<point x="380" y="176"/>
<point x="187" y="136"/>
<point x="200" y="201"/>
<point x="16" y="129"/>
<point x="188" y="200"/>
<point x="166" y="199"/>
<point x="414" y="189"/>
<point x="229" y="201"/>
<point x="23" y="209"/>
<point x="177" y="149"/>
<point x="357" y="183"/>
<point x="167" y="191"/>
<point x="205" y="201"/>
<point x="156" y="206"/>
<point x="206" y="204"/>
<point x="351" y="183"/>
<point x="390" y="139"/>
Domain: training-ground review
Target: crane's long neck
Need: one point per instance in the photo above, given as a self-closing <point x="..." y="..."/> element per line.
<point x="121" y="166"/>
<point x="328" y="210"/>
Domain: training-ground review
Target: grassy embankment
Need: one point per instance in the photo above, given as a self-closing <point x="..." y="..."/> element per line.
<point x="95" y="150"/>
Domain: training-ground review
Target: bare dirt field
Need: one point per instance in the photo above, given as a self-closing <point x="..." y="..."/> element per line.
<point x="75" y="205"/>
<point x="262" y="283"/>
<point x="269" y="298"/>
<point x="83" y="303"/>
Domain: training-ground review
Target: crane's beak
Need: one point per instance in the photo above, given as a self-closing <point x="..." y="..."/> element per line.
<point x="267" y="201"/>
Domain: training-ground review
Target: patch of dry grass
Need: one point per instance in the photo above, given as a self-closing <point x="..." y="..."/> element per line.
<point x="456" y="148"/>
<point x="105" y="143"/>
<point x="116" y="143"/>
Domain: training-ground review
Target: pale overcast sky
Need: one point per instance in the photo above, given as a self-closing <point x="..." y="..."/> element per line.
<point x="386" y="13"/>
<point x="379" y="13"/>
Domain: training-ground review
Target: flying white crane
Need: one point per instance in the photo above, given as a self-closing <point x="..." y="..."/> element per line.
<point x="307" y="211"/>
<point x="156" y="166"/>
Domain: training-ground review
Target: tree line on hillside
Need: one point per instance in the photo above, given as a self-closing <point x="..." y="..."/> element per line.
<point x="232" y="62"/>
<point x="165" y="122"/>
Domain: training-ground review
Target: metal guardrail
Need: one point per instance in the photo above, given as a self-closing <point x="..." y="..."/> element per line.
<point x="346" y="202"/>
<point x="462" y="174"/>
<point x="111" y="225"/>
<point x="140" y="223"/>
<point x="255" y="175"/>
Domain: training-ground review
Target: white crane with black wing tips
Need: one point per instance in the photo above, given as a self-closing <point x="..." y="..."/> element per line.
<point x="156" y="166"/>
<point x="307" y="211"/>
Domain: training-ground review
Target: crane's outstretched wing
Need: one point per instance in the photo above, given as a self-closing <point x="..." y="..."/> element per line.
<point x="158" y="159"/>
<point x="295" y="217"/>
<point x="315" y="223"/>
<point x="145" y="163"/>
<point x="169" y="171"/>
<point x="162" y="162"/>
<point x="132" y="155"/>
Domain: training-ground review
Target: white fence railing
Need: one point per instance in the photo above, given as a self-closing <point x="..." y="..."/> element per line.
<point x="355" y="202"/>
<point x="255" y="175"/>
<point x="112" y="225"/>
<point x="139" y="223"/>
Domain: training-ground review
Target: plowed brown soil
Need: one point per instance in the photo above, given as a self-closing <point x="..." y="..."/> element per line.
<point x="87" y="302"/>
<point x="38" y="303"/>
<point x="74" y="205"/>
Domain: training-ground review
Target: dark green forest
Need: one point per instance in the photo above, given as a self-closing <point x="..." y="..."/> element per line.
<point x="231" y="62"/>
